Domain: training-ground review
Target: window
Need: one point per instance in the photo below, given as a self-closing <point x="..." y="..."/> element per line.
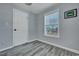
<point x="51" y="24"/>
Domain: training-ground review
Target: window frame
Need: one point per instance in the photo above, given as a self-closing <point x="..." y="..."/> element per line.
<point x="47" y="14"/>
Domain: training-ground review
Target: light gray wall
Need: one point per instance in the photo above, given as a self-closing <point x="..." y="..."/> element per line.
<point x="32" y="26"/>
<point x="6" y="20"/>
<point x="68" y="28"/>
<point x="6" y="25"/>
<point x="31" y="23"/>
<point x="6" y="32"/>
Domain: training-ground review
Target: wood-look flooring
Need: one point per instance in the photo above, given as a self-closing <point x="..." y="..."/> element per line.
<point x="36" y="48"/>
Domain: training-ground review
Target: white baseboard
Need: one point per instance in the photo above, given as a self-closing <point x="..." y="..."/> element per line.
<point x="69" y="49"/>
<point x="31" y="40"/>
<point x="16" y="45"/>
<point x="6" y="48"/>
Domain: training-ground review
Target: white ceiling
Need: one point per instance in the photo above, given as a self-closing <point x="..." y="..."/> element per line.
<point x="35" y="7"/>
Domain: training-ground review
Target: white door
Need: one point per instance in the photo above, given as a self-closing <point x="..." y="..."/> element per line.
<point x="20" y="27"/>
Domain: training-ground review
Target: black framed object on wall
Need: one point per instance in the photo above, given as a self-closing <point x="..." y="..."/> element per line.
<point x="70" y="13"/>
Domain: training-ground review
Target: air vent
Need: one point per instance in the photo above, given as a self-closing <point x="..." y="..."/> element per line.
<point x="29" y="4"/>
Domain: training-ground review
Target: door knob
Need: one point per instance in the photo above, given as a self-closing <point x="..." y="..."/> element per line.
<point x="14" y="29"/>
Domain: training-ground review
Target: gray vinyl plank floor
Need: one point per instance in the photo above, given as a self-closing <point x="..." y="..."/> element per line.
<point x="36" y="48"/>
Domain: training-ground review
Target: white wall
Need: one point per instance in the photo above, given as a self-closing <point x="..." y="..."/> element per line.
<point x="6" y="27"/>
<point x="68" y="28"/>
<point x="32" y="26"/>
<point x="32" y="18"/>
